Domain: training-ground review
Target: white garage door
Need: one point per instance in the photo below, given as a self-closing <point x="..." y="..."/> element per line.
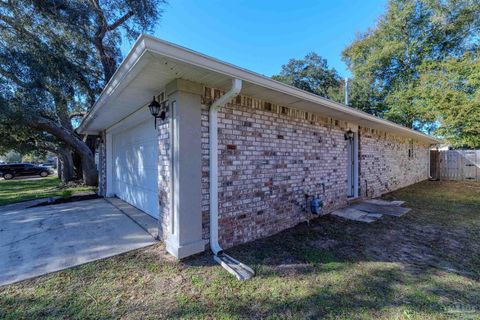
<point x="135" y="156"/>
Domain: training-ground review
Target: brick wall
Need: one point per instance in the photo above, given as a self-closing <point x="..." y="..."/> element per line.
<point x="270" y="156"/>
<point x="102" y="165"/>
<point x="164" y="171"/>
<point x="385" y="164"/>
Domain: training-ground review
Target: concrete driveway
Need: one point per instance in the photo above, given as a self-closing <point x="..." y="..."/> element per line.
<point x="40" y="240"/>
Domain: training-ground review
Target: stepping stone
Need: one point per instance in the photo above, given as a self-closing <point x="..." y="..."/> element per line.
<point x="380" y="202"/>
<point x="398" y="212"/>
<point x="371" y="210"/>
<point x="375" y="208"/>
<point x="367" y="218"/>
<point x="350" y="213"/>
<point x="374" y="215"/>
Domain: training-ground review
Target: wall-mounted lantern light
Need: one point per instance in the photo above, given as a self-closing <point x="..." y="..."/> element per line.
<point x="99" y="140"/>
<point x="349" y="135"/>
<point x="158" y="110"/>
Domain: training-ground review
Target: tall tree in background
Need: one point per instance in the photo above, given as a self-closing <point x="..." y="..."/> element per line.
<point x="311" y="74"/>
<point x="390" y="58"/>
<point x="55" y="56"/>
<point x="451" y="90"/>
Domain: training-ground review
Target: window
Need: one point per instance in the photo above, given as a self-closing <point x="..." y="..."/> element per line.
<point x="410" y="149"/>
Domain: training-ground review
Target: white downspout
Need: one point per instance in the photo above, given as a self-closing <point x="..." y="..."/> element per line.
<point x="213" y="142"/>
<point x="235" y="267"/>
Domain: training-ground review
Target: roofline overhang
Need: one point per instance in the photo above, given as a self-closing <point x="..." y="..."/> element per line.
<point x="146" y="43"/>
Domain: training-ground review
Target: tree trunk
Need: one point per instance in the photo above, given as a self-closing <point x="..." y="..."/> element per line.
<point x="89" y="170"/>
<point x="59" y="167"/>
<point x="65" y="170"/>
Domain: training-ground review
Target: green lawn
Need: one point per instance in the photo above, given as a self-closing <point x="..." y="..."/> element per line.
<point x="425" y="265"/>
<point x="12" y="191"/>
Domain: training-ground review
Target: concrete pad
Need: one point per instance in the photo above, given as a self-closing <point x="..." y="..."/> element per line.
<point x="381" y="202"/>
<point x="350" y="213"/>
<point x="147" y="222"/>
<point x="375" y="208"/>
<point x="368" y="219"/>
<point x="45" y="239"/>
<point x="397" y="213"/>
<point x="375" y="215"/>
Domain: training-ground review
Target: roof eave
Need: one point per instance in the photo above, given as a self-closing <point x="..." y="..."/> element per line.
<point x="146" y="43"/>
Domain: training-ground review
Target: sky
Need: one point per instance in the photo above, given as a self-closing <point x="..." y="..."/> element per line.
<point x="263" y="35"/>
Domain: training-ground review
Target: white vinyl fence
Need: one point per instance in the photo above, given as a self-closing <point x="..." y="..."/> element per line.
<point x="459" y="165"/>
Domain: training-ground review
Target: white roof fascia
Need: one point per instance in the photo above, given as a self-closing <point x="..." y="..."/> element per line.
<point x="154" y="45"/>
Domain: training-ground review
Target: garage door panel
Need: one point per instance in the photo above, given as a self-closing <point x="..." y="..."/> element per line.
<point x="135" y="158"/>
<point x="138" y="175"/>
<point x="144" y="158"/>
<point x="142" y="200"/>
<point x="142" y="155"/>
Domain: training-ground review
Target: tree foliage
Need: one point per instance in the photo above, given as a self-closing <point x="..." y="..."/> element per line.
<point x="450" y="90"/>
<point x="390" y="58"/>
<point x="55" y="56"/>
<point x="311" y="74"/>
<point x="11" y="157"/>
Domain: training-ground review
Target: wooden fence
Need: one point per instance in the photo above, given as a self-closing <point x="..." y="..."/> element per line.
<point x="455" y="165"/>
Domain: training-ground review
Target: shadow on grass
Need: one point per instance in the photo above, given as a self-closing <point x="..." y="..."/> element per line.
<point x="415" y="267"/>
<point x="376" y="293"/>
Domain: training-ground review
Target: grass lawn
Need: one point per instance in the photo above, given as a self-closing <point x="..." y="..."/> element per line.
<point x="12" y="191"/>
<point x="425" y="265"/>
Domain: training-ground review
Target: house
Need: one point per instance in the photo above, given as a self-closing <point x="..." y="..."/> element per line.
<point x="236" y="152"/>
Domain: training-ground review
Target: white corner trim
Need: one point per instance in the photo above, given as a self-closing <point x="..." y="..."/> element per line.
<point x="109" y="190"/>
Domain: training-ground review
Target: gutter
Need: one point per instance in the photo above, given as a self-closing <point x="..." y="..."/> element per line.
<point x="238" y="269"/>
<point x="148" y="46"/>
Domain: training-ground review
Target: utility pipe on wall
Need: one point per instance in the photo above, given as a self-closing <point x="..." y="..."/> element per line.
<point x="346" y="91"/>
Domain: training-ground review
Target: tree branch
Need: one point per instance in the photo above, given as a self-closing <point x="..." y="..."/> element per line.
<point x="62" y="134"/>
<point x="11" y="76"/>
<point x="77" y="114"/>
<point x="120" y="21"/>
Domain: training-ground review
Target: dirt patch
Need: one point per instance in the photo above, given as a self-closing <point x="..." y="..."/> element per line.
<point x="286" y="265"/>
<point x="324" y="243"/>
<point x="418" y="247"/>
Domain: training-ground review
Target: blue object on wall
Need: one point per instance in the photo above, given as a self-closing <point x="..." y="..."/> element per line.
<point x="316" y="205"/>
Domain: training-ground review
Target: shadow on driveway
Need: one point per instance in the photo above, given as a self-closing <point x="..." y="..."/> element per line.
<point x="41" y="240"/>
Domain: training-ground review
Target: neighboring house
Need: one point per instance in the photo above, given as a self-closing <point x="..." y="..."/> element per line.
<point x="275" y="144"/>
